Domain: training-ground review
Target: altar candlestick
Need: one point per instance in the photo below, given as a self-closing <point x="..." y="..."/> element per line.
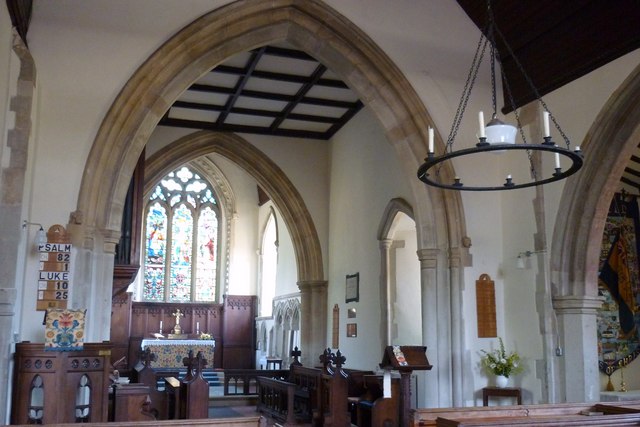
<point x="197" y="327"/>
<point x="161" y="326"/>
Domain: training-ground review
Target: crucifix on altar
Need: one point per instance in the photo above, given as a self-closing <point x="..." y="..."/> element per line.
<point x="177" y="329"/>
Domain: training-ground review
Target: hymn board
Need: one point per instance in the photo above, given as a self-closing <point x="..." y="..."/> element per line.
<point x="54" y="277"/>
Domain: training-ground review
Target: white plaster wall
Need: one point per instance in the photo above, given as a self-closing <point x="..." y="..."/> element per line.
<point x="306" y="164"/>
<point x="365" y="176"/>
<point x="408" y="306"/>
<point x="287" y="273"/>
<point x="243" y="262"/>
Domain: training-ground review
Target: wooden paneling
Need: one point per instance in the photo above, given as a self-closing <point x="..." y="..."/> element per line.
<point x="59" y="374"/>
<point x="231" y="324"/>
<point x="239" y="332"/>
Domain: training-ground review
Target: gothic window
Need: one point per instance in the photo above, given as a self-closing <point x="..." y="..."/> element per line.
<point x="182" y="239"/>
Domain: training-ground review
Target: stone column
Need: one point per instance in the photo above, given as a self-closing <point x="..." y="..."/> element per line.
<point x="385" y="293"/>
<point x="313" y="322"/>
<point x="577" y="324"/>
<point x="12" y="196"/>
<point x="436" y="332"/>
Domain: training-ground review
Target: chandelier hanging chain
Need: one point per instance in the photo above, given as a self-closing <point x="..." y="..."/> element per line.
<point x="532" y="87"/>
<point x="466" y="92"/>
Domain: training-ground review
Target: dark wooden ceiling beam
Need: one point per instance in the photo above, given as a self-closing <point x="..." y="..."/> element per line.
<point x="242" y="82"/>
<point x="557" y="41"/>
<point x="194" y="124"/>
<point x="304" y="89"/>
<point x="255" y="112"/>
<point x="281" y="77"/>
<point x="273" y="96"/>
<point x="20" y="14"/>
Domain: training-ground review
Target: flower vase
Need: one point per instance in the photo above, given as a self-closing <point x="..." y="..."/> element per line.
<point x="501" y="381"/>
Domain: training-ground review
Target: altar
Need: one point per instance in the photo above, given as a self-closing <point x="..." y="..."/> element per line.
<point x="170" y="353"/>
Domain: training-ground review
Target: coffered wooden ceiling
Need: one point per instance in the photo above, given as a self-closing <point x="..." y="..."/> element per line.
<point x="276" y="90"/>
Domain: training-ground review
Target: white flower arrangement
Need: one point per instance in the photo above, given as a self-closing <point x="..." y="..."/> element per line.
<point x="498" y="362"/>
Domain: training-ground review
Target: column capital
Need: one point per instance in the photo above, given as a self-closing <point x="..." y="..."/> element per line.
<point x="310" y="285"/>
<point x="385" y="243"/>
<point x="577" y="304"/>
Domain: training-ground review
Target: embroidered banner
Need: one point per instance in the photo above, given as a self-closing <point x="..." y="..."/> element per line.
<point x="618" y="284"/>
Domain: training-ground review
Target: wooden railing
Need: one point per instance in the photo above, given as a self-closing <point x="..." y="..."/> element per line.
<point x="244" y="381"/>
<point x="276" y="400"/>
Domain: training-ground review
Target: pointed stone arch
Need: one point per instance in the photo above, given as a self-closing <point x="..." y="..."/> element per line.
<point x="395" y="207"/>
<point x="314" y="27"/>
<point x="577" y="237"/>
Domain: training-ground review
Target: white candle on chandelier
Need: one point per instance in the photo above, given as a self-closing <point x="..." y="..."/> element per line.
<point x="508" y="176"/>
<point x="481" y="122"/>
<point x="545" y="122"/>
<point x="430" y="139"/>
<point x="557" y="156"/>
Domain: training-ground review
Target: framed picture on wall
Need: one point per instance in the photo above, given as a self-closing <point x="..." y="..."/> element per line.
<point x="352" y="330"/>
<point x="352" y="294"/>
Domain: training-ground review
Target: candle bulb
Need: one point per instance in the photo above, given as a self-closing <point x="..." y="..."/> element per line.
<point x="481" y="122"/>
<point x="508" y="176"/>
<point x="557" y="156"/>
<point x="545" y="122"/>
<point x="430" y="139"/>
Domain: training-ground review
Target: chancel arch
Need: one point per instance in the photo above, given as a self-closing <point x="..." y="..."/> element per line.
<point x="577" y="237"/>
<point x="328" y="36"/>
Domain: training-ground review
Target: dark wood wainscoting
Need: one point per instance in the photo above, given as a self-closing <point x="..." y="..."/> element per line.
<point x="231" y="324"/>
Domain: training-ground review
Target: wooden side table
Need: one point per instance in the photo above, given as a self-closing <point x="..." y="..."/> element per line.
<point x="501" y="392"/>
<point x="273" y="363"/>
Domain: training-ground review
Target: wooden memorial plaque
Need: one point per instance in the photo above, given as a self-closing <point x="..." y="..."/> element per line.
<point x="486" y="307"/>
<point x="405" y="358"/>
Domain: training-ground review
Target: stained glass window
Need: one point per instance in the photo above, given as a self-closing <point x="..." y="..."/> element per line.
<point x="182" y="239"/>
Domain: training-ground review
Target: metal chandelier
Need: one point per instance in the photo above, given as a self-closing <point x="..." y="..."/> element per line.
<point x="497" y="136"/>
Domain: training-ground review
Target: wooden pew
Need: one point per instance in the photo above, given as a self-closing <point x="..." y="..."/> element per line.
<point x="131" y="402"/>
<point x="221" y="422"/>
<point x="568" y="414"/>
<point x="317" y="396"/>
<point x="373" y="409"/>
<point x="143" y="373"/>
<point x="194" y="389"/>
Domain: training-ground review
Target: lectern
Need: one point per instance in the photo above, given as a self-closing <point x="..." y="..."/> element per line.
<point x="405" y="359"/>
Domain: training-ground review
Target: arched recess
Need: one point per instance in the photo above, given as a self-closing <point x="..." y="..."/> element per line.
<point x="314" y="27"/>
<point x="394" y="207"/>
<point x="577" y="237"/>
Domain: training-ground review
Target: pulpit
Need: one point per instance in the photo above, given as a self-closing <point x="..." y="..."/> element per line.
<point x="170" y="353"/>
<point x="405" y="359"/>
